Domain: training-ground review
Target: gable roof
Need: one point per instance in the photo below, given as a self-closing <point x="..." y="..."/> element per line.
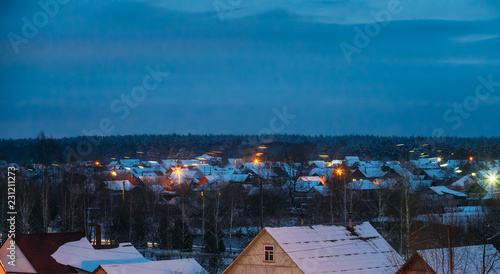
<point x="362" y="251"/>
<point x="37" y="249"/>
<point x="335" y="248"/>
<point x="466" y="259"/>
<point x="189" y="266"/>
<point x="363" y="185"/>
<point x="442" y="190"/>
<point x="82" y="255"/>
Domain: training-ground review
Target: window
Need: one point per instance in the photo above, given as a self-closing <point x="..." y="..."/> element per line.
<point x="269" y="253"/>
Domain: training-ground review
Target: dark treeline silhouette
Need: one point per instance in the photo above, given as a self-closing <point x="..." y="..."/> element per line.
<point x="48" y="150"/>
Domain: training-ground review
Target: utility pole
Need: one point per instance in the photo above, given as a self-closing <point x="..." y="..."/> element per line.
<point x="450" y="251"/>
<point x="261" y="204"/>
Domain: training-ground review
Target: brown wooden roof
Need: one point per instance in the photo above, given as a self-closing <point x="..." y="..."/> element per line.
<point x="38" y="249"/>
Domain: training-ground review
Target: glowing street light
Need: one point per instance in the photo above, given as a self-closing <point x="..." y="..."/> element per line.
<point x="114" y="173"/>
<point x="97" y="163"/>
<point x="439" y="159"/>
<point x="178" y="171"/>
<point x="256" y="161"/>
<point x="471" y="158"/>
<point x="339" y="171"/>
<point x="492" y="178"/>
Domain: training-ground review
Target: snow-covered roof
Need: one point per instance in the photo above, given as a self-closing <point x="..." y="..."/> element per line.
<point x="426" y="163"/>
<point x="435" y="173"/>
<point x="309" y="178"/>
<point x="466" y="259"/>
<point x="322" y="189"/>
<point x="372" y="172"/>
<point x="462" y="182"/>
<point x="320" y="164"/>
<point x="333" y="248"/>
<point x="118" y="185"/>
<point x="240" y="178"/>
<point x="80" y="254"/>
<point x="351" y="160"/>
<point x="363" y="185"/>
<point x="170" y="162"/>
<point x="130" y="162"/>
<point x="189" y="266"/>
<point x="442" y="190"/>
<point x="458" y="216"/>
<point x="303" y="186"/>
<point x="402" y="171"/>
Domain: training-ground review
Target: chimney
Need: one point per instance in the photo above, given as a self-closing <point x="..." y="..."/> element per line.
<point x="98" y="235"/>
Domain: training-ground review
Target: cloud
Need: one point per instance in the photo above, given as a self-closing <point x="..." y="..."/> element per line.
<point x="469" y="61"/>
<point x="341" y="12"/>
<point x="475" y="38"/>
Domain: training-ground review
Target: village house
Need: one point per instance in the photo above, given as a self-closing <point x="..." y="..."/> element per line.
<point x="317" y="249"/>
<point x="33" y="253"/>
<point x="465" y="259"/>
<point x="185" y="266"/>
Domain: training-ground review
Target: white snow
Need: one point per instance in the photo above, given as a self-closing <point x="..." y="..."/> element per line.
<point x="118" y="185"/>
<point x="442" y="190"/>
<point x="80" y="254"/>
<point x="188" y="266"/>
<point x="333" y="248"/>
<point x="466" y="259"/>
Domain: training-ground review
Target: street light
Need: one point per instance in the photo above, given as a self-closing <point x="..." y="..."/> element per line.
<point x="114" y="173"/>
<point x="492" y="178"/>
<point x="178" y="171"/>
<point x="339" y="172"/>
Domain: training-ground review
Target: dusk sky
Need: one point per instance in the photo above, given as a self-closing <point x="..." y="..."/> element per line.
<point x="234" y="64"/>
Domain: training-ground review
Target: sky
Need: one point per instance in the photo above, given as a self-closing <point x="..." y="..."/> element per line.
<point x="330" y="67"/>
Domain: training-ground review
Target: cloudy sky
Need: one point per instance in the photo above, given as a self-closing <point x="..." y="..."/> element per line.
<point x="234" y="66"/>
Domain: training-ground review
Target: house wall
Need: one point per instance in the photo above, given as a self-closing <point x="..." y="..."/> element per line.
<point x="251" y="260"/>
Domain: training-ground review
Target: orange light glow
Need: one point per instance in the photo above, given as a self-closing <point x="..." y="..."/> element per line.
<point x="114" y="173"/>
<point x="97" y="163"/>
<point x="471" y="159"/>
<point x="256" y="161"/>
<point x="178" y="171"/>
<point x="339" y="171"/>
